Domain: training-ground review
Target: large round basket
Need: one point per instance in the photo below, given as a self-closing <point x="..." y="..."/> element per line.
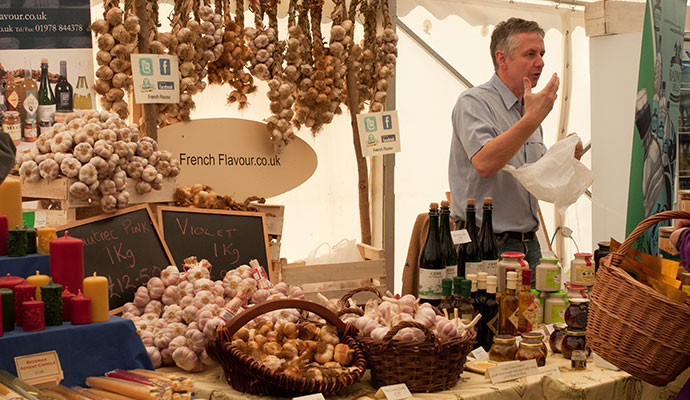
<point x="430" y="365"/>
<point x="631" y="325"/>
<point x="249" y="376"/>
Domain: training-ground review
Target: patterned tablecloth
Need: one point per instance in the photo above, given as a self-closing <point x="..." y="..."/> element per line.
<point x="593" y="383"/>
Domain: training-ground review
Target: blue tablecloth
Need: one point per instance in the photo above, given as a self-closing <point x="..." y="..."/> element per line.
<point x="83" y="350"/>
<point x="25" y="266"/>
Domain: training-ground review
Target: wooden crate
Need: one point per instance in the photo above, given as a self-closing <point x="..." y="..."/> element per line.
<point x="275" y="215"/>
<point x="71" y="209"/>
<point x="334" y="280"/>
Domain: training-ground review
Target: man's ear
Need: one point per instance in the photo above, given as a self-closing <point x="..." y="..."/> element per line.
<point x="500" y="58"/>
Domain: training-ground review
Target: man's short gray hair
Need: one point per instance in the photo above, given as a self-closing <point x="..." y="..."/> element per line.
<point x="504" y="36"/>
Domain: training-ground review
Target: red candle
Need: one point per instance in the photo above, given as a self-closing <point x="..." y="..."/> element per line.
<point x="67" y="305"/>
<point x="32" y="318"/>
<point x="81" y="309"/>
<point x="1" y="330"/>
<point x="22" y="293"/>
<point x="67" y="262"/>
<point x="9" y="281"/>
<point x="4" y="234"/>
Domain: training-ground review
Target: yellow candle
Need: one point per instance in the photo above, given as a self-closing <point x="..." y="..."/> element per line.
<point x="44" y="236"/>
<point x="96" y="289"/>
<point x="11" y="201"/>
<point x="38" y="280"/>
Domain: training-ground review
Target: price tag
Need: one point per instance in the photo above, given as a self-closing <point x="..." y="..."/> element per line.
<point x="550" y="370"/>
<point x="40" y="219"/>
<point x="480" y="354"/>
<point x="512" y="370"/>
<point x="39" y="369"/>
<point x="393" y="392"/>
<point x="518" y="339"/>
<point x="315" y="396"/>
<point x="548" y="330"/>
<point x="460" y="236"/>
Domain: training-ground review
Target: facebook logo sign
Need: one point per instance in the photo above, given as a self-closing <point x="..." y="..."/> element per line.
<point x="387" y="121"/>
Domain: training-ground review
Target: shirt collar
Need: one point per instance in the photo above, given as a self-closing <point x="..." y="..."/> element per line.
<point x="506" y="94"/>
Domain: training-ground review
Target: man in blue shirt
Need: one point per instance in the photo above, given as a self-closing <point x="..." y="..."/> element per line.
<point x="499" y="123"/>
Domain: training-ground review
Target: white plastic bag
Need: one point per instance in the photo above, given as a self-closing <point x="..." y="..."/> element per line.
<point x="343" y="251"/>
<point x="557" y="177"/>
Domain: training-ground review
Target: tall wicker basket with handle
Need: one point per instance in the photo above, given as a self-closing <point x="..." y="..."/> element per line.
<point x="631" y="325"/>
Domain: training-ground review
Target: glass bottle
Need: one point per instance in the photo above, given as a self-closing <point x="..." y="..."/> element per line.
<point x="490" y="313"/>
<point x="3" y="105"/>
<point x="46" y="99"/>
<point x="465" y="309"/>
<point x="63" y="90"/>
<point x="457" y="293"/>
<point x="12" y="94"/>
<point x="473" y="289"/>
<point x="488" y="239"/>
<point x="431" y="269"/>
<point x="508" y="311"/>
<point x="470" y="255"/>
<point x="447" y="299"/>
<point x="481" y="304"/>
<point x="28" y="97"/>
<point x="82" y="95"/>
<point x="450" y="255"/>
<point x="527" y="314"/>
<point x="604" y="247"/>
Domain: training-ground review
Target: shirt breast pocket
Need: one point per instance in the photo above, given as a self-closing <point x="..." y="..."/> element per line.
<point x="534" y="151"/>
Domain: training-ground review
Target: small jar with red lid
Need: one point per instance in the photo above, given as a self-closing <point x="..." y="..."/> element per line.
<point x="582" y="270"/>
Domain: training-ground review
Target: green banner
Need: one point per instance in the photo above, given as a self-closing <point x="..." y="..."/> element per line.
<point x="653" y="163"/>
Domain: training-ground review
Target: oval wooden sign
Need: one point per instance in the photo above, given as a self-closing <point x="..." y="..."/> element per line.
<point x="235" y="157"/>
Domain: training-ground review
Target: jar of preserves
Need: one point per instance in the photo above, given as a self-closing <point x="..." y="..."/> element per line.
<point x="30" y="130"/>
<point x="574" y="340"/>
<point x="11" y="125"/>
<point x="536" y="335"/>
<point x="509" y="259"/>
<point x="503" y="349"/>
<point x="554" y="307"/>
<point x="548" y="275"/>
<point x="556" y="338"/>
<point x="531" y="349"/>
<point x="582" y="270"/>
<point x="576" y="313"/>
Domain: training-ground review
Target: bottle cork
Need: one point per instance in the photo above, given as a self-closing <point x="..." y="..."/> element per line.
<point x="470" y="202"/>
<point x="445" y="203"/>
<point x="433" y="206"/>
<point x="488" y="200"/>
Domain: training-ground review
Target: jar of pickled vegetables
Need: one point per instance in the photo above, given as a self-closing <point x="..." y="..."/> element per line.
<point x="503" y="349"/>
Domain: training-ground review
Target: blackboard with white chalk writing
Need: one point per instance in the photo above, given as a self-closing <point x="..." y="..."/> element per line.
<point x="227" y="239"/>
<point x="126" y="247"/>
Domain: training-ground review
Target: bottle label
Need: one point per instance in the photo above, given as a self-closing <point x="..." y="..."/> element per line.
<point x="493" y="324"/>
<point x="30" y="104"/>
<point x="430" y="283"/>
<point x="30" y="131"/>
<point x="553" y="279"/>
<point x="557" y="314"/>
<point x="451" y="271"/>
<point x="13" y="99"/>
<point x="490" y="267"/>
<point x="530" y="315"/>
<point x="473" y="268"/>
<point x="514" y="318"/>
<point x="467" y="317"/>
<point x="63" y="100"/>
<point x="540" y="309"/>
<point x="14" y="130"/>
<point x="582" y="274"/>
<point x="44" y="126"/>
<point x="46" y="111"/>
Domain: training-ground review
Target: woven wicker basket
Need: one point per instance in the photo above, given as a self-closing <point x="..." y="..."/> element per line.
<point x="430" y="365"/>
<point x="249" y="376"/>
<point x="631" y="325"/>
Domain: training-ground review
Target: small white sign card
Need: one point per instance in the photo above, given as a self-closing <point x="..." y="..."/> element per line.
<point x="480" y="354"/>
<point x="512" y="370"/>
<point x="40" y="369"/>
<point x="315" y="396"/>
<point x="156" y="78"/>
<point x="393" y="392"/>
<point x="460" y="236"/>
<point x="379" y="133"/>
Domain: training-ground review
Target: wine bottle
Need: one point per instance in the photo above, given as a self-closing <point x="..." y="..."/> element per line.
<point x="450" y="256"/>
<point x="473" y="288"/>
<point x="447" y="299"/>
<point x="465" y="309"/>
<point x="527" y="312"/>
<point x="457" y="294"/>
<point x="431" y="269"/>
<point x="491" y="310"/>
<point x="27" y="98"/>
<point x="508" y="310"/>
<point x="481" y="303"/>
<point x="82" y="95"/>
<point x="488" y="240"/>
<point x="63" y="91"/>
<point x="46" y="99"/>
<point x="470" y="255"/>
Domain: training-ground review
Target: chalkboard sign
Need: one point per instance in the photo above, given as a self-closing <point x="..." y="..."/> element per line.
<point x="126" y="247"/>
<point x="227" y="239"/>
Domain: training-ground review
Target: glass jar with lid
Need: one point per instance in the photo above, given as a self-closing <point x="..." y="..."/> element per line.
<point x="574" y="340"/>
<point x="536" y="335"/>
<point x="577" y="291"/>
<point x="11" y="125"/>
<point x="556" y="338"/>
<point x="576" y="313"/>
<point x="509" y="259"/>
<point x="503" y="349"/>
<point x="548" y="275"/>
<point x="554" y="307"/>
<point x="582" y="270"/>
<point x="531" y="349"/>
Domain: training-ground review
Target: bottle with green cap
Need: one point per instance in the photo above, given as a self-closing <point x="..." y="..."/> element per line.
<point x="465" y="309"/>
<point x="447" y="299"/>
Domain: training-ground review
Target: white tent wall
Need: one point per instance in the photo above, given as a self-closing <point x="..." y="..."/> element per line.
<point x="325" y="207"/>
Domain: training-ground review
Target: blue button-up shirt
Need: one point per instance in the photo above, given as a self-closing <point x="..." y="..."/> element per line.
<point x="481" y="114"/>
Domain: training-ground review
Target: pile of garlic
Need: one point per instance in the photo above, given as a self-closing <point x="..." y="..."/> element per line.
<point x="380" y="317"/>
<point x="100" y="151"/>
<point x="297" y="349"/>
<point x="177" y="313"/>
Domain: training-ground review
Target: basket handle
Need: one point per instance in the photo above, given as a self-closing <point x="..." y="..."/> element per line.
<point x="617" y="257"/>
<point x="430" y="337"/>
<point x="348" y="295"/>
<point x="344" y="311"/>
<point x="271" y="305"/>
